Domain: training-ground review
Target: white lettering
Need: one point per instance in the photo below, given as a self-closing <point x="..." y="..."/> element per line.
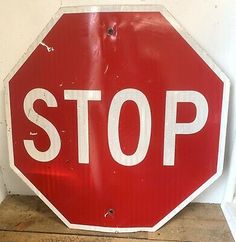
<point x="113" y="127"/>
<point x="82" y="97"/>
<point x="48" y="127"/>
<point x="172" y="128"/>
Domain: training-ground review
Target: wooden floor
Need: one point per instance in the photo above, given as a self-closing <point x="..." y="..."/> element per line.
<point x="27" y="219"/>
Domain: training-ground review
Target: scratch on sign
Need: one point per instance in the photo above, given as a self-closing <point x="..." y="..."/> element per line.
<point x="49" y="49"/>
<point x="33" y="133"/>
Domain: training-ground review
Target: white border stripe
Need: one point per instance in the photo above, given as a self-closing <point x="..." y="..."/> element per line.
<point x="190" y="41"/>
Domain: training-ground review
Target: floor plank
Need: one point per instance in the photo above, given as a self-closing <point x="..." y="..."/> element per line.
<point x="23" y="216"/>
<point x="42" y="237"/>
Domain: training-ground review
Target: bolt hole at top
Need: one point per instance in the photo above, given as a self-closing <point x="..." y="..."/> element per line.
<point x="110" y="31"/>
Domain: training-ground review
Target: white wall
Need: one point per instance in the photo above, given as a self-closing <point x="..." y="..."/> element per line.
<point x="212" y="23"/>
<point x="3" y="189"/>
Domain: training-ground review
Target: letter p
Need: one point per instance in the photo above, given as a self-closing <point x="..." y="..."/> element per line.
<point x="172" y="128"/>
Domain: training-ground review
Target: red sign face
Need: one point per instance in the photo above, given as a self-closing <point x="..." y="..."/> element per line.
<point x="117" y="120"/>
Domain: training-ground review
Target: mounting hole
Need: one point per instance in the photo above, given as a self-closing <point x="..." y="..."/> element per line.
<point x="110" y="31"/>
<point x="111" y="211"/>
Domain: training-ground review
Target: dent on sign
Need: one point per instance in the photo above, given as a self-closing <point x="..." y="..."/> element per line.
<point x="83" y="97"/>
<point x="122" y="111"/>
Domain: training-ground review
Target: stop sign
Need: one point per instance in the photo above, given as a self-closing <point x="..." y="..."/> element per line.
<point x="116" y="118"/>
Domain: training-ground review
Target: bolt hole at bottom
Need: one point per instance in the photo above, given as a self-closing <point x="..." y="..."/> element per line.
<point x="110" y="212"/>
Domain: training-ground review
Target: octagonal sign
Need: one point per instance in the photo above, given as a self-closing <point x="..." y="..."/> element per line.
<point x="116" y="117"/>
